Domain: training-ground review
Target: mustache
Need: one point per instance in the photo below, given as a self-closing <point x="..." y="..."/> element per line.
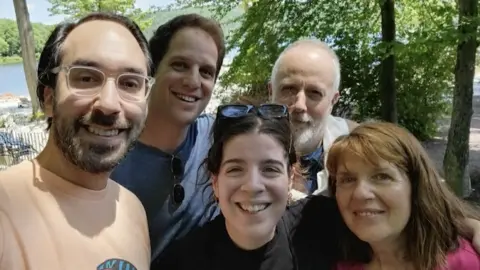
<point x="99" y="118"/>
<point x="300" y="117"/>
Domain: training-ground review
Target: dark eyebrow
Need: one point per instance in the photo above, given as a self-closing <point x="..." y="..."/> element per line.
<point x="179" y="58"/>
<point x="186" y="59"/>
<point x="344" y="174"/>
<point x="273" y="162"/>
<point x="383" y="170"/>
<point x="233" y="160"/>
<point x="90" y="63"/>
<point x="316" y="86"/>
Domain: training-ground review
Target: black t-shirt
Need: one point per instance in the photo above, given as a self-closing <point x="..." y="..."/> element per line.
<point x="315" y="224"/>
<point x="305" y="239"/>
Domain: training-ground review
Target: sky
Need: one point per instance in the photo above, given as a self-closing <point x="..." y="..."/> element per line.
<point x="38" y="9"/>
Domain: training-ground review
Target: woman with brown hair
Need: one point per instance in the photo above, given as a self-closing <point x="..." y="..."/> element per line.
<point x="396" y="212"/>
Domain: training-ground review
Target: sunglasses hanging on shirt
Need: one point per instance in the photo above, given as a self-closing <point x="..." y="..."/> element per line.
<point x="178" y="192"/>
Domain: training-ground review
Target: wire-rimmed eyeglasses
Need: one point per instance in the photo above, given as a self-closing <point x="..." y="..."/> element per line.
<point x="89" y="81"/>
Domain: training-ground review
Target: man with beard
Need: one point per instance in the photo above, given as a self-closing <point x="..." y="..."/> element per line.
<point x="61" y="210"/>
<point x="165" y="168"/>
<point x="306" y="77"/>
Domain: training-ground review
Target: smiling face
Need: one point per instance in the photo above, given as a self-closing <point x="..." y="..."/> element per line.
<point x="185" y="76"/>
<point x="94" y="132"/>
<point x="374" y="200"/>
<point x="252" y="186"/>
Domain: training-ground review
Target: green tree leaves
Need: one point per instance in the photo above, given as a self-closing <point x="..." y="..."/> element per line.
<point x="9" y="35"/>
<point x="425" y="51"/>
<point x="75" y="9"/>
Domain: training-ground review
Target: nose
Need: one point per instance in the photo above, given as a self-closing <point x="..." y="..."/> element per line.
<point x="108" y="99"/>
<point x="192" y="79"/>
<point x="300" y="103"/>
<point x="253" y="183"/>
<point x="363" y="191"/>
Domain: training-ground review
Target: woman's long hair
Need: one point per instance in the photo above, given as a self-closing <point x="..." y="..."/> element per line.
<point x="437" y="217"/>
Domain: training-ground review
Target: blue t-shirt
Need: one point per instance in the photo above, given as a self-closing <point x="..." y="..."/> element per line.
<point x="146" y="171"/>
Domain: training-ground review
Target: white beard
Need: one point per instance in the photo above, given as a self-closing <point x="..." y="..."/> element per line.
<point x="308" y="136"/>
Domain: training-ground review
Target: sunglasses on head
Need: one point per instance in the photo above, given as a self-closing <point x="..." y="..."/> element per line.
<point x="264" y="110"/>
<point x="178" y="192"/>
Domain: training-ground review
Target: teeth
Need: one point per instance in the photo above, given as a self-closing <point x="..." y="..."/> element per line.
<point x="253" y="208"/>
<point x="185" y="98"/>
<point x="367" y="213"/>
<point x="103" y="132"/>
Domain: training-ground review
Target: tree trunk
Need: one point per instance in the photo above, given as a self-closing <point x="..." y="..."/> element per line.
<point x="28" y="50"/>
<point x="387" y="68"/>
<point x="457" y="154"/>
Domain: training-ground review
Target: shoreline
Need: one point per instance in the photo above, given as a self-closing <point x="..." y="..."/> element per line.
<point x="10" y="60"/>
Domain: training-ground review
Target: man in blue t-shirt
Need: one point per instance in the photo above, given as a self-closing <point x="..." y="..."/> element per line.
<point x="164" y="169"/>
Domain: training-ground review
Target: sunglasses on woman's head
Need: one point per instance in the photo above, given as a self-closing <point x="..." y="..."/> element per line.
<point x="264" y="110"/>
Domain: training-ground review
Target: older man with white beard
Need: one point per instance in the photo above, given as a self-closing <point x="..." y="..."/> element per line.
<point x="306" y="77"/>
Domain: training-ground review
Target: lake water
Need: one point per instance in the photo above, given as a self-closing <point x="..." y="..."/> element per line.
<point x="12" y="80"/>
